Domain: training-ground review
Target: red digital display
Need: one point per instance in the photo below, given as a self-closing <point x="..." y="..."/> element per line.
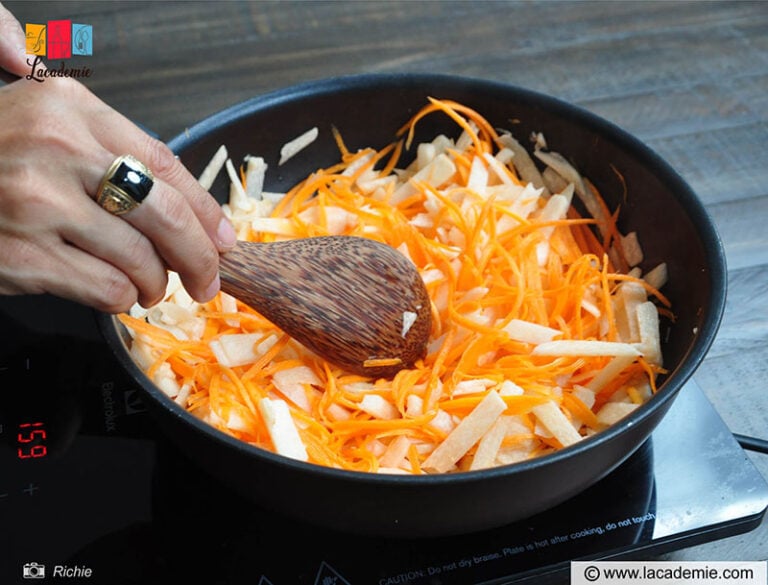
<point x="31" y="438"/>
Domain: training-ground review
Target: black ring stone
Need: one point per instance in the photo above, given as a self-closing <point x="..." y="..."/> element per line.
<point x="131" y="176"/>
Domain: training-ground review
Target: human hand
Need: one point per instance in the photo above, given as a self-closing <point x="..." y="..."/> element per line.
<point x="57" y="140"/>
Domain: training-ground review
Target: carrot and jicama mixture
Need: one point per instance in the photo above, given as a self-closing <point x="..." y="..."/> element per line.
<point x="545" y="330"/>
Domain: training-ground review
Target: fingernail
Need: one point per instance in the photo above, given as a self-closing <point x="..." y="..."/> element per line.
<point x="212" y="289"/>
<point x="226" y="234"/>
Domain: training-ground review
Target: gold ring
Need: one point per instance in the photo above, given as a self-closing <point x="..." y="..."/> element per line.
<point x="125" y="185"/>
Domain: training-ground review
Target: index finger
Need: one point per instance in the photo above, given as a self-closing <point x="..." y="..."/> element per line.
<point x="184" y="222"/>
<point x="12" y="44"/>
<point x="166" y="167"/>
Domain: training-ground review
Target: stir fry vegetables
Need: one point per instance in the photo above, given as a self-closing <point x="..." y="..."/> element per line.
<point x="545" y="331"/>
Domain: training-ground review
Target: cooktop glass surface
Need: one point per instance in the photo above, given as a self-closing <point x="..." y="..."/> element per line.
<point x="91" y="491"/>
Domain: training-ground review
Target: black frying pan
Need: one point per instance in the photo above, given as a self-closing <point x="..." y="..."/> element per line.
<point x="668" y="217"/>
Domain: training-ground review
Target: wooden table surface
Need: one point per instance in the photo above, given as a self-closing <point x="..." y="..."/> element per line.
<point x="690" y="79"/>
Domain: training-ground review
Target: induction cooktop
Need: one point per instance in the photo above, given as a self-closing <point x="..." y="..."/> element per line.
<point x="91" y="491"/>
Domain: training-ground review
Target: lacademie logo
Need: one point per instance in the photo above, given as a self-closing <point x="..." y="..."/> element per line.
<point x="58" y="39"/>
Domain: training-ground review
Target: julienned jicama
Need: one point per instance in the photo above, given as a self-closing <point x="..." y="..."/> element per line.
<point x="545" y="329"/>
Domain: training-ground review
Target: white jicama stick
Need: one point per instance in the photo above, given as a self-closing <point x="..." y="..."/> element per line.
<point x="293" y="147"/>
<point x="523" y="162"/>
<point x="527" y="332"/>
<point x="650" y="338"/>
<point x="279" y="226"/>
<point x="235" y="349"/>
<point x="473" y="386"/>
<point x="435" y="173"/>
<point x="229" y="305"/>
<point x="612" y="369"/>
<point x="585" y="348"/>
<point x="489" y="445"/>
<point x="633" y="252"/>
<point x="498" y="168"/>
<point x="613" y="412"/>
<point x="556" y="208"/>
<point x="561" y="166"/>
<point x="657" y="277"/>
<point x="550" y="415"/>
<point x="255" y="171"/>
<point x="395" y="452"/>
<point x="554" y="182"/>
<point x="478" y="176"/>
<point x="629" y="296"/>
<point x="237" y="198"/>
<point x="282" y="430"/>
<point x="293" y="383"/>
<point x="466" y="433"/>
<point x="183" y="395"/>
<point x="212" y="169"/>
<point x="378" y="407"/>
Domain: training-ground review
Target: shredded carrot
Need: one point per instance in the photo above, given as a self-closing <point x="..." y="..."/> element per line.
<point x="489" y="263"/>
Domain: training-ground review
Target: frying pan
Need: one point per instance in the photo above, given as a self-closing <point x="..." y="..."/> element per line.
<point x="655" y="201"/>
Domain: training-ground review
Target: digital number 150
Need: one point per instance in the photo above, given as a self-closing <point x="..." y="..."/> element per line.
<point x="31" y="439"/>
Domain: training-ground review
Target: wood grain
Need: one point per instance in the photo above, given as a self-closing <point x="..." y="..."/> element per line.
<point x="346" y="298"/>
<point x="690" y="79"/>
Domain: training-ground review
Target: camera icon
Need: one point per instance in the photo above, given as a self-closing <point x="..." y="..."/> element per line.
<point x="33" y="571"/>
